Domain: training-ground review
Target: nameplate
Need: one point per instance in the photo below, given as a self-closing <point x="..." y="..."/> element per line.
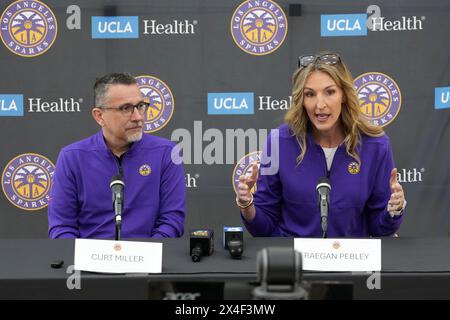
<point x="340" y="254"/>
<point x="111" y="256"/>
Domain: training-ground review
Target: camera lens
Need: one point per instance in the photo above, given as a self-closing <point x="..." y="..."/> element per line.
<point x="196" y="253"/>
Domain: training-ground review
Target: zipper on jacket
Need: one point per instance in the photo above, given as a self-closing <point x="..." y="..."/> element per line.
<point x="325" y="160"/>
<point x="119" y="163"/>
<point x="332" y="162"/>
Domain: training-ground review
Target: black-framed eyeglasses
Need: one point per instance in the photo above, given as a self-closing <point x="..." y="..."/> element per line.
<point x="328" y="58"/>
<point x="128" y="108"/>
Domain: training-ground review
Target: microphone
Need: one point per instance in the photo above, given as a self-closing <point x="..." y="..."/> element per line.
<point x="201" y="243"/>
<point x="117" y="185"/>
<point x="233" y="241"/>
<point x="323" y="189"/>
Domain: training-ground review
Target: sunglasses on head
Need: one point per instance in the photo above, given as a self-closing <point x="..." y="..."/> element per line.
<point x="328" y="58"/>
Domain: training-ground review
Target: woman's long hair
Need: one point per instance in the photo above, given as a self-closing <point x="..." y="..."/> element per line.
<point x="351" y="118"/>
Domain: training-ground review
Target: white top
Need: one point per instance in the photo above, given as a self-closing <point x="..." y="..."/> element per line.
<point x="329" y="155"/>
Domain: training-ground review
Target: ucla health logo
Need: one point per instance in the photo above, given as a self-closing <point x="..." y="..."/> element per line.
<point x="11" y="105"/>
<point x="259" y="27"/>
<point x="343" y="25"/>
<point x="26" y="181"/>
<point x="158" y="94"/>
<point x="115" y="27"/>
<point x="379" y="97"/>
<point x="28" y="28"/>
<point x="337" y="25"/>
<point x="230" y="103"/>
<point x="245" y="167"/>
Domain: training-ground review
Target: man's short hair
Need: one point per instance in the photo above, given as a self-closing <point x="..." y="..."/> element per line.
<point x="102" y="84"/>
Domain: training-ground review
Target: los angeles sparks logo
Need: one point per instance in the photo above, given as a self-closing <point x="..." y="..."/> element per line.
<point x="26" y="181"/>
<point x="28" y="28"/>
<point x="353" y="167"/>
<point x="259" y="27"/>
<point x="161" y="102"/>
<point x="244" y="167"/>
<point x="379" y="97"/>
<point x="145" y="170"/>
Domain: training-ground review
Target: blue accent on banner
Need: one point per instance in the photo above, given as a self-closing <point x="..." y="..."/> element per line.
<point x="224" y="103"/>
<point x="11" y="105"/>
<point x="115" y="27"/>
<point x="442" y="98"/>
<point x="341" y="25"/>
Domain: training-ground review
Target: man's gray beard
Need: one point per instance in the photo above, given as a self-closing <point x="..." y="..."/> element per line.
<point x="135" y="137"/>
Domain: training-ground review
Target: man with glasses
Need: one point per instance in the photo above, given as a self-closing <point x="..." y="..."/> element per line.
<point x="154" y="194"/>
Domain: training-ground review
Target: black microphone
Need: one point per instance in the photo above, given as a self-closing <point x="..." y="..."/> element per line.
<point x="233" y="241"/>
<point x="117" y="185"/>
<point x="201" y="243"/>
<point x="323" y="189"/>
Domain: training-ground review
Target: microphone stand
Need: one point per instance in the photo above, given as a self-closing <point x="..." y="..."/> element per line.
<point x="118" y="211"/>
<point x="324" y="215"/>
<point x="324" y="223"/>
<point x="118" y="228"/>
<point x="117" y="185"/>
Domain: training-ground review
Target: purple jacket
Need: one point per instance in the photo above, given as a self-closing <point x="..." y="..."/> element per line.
<point x="287" y="203"/>
<point x="81" y="202"/>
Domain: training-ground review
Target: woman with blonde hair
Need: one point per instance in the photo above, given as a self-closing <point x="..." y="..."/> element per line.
<point x="326" y="142"/>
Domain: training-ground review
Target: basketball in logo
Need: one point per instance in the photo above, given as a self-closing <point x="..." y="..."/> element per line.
<point x="145" y="170"/>
<point x="158" y="94"/>
<point x="26" y="181"/>
<point x="245" y="167"/>
<point x="28" y="28"/>
<point x="353" y="167"/>
<point x="259" y="27"/>
<point x="379" y="97"/>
